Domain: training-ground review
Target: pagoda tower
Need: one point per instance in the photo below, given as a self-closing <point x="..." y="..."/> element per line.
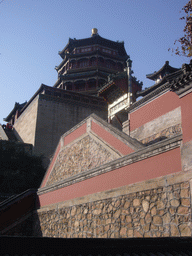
<point x="88" y="62"/>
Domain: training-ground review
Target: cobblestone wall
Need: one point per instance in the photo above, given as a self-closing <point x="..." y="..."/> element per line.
<point x="81" y="156"/>
<point x="161" y="212"/>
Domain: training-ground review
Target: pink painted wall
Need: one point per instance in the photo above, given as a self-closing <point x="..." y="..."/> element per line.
<point x="153" y="167"/>
<point x="75" y="134"/>
<point x="186" y="115"/>
<point x="110" y="139"/>
<point x="154" y="109"/>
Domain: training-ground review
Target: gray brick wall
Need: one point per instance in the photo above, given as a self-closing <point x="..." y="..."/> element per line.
<point x="57" y="116"/>
<point x="25" y="126"/>
<point x="49" y="117"/>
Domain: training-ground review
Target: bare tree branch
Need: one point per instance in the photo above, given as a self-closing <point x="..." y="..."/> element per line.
<point x="185" y="42"/>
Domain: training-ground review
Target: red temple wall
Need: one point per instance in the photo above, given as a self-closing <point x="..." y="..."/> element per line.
<point x="110" y="139"/>
<point x="162" y="105"/>
<point x="150" y="168"/>
<point x="154" y="109"/>
<point x="186" y="114"/>
<point x="75" y="134"/>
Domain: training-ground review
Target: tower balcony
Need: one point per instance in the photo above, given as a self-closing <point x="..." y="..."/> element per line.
<point x="104" y="66"/>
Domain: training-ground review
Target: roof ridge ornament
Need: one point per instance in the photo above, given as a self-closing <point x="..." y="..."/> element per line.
<point x="187" y="67"/>
<point x="94" y="32"/>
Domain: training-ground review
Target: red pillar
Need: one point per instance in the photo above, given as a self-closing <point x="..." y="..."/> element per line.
<point x="186" y="113"/>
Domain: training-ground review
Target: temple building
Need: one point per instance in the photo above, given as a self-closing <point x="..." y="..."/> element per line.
<point x="88" y="65"/>
<point x="103" y="182"/>
<point x="120" y="92"/>
<point x="131" y="180"/>
<point x="15" y="113"/>
<point x="88" y="62"/>
<point x="162" y="73"/>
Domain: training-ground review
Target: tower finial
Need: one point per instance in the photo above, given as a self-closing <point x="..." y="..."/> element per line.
<point x="94" y="32"/>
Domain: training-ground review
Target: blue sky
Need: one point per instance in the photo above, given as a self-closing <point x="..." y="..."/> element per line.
<point x="33" y="31"/>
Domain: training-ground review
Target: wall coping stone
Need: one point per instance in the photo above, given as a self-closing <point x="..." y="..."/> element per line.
<point x="129" y="141"/>
<point x="184" y="91"/>
<point x="43" y="87"/>
<point x="149" y="151"/>
<point x="149" y="97"/>
<point x="71" y="101"/>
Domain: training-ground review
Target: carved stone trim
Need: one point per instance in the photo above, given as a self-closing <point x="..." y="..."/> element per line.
<point x="69" y="161"/>
<point x="166" y="133"/>
<point x="184" y="91"/>
<point x="88" y="125"/>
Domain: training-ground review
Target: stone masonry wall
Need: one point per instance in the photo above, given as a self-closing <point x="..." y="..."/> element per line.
<point x="55" y="117"/>
<point x="83" y="155"/>
<point x="160" y="212"/>
<point x="3" y="135"/>
<point x="25" y="126"/>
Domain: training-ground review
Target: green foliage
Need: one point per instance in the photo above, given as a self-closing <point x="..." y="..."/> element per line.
<point x="19" y="170"/>
<point x="184" y="44"/>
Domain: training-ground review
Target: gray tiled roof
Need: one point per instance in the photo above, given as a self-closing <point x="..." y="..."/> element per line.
<point x="92" y="41"/>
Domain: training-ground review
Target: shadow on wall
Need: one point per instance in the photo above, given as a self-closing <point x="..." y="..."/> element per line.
<point x="19" y="214"/>
<point x="17" y="135"/>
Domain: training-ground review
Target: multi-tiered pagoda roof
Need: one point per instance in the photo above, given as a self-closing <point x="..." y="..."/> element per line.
<point x="88" y="62"/>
